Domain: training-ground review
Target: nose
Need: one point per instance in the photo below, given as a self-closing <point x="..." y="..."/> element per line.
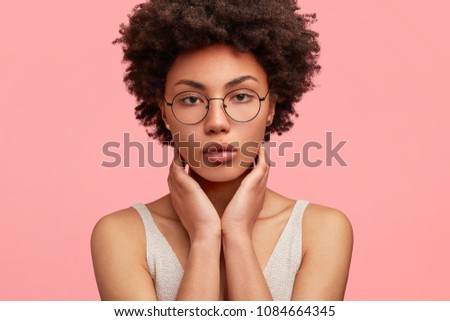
<point x="216" y="120"/>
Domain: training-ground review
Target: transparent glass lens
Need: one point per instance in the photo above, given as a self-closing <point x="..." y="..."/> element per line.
<point x="191" y="107"/>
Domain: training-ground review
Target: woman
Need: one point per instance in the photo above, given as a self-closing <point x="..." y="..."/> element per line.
<point x="214" y="79"/>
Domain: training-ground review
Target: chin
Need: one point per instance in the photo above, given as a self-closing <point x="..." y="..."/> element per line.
<point x="220" y="174"/>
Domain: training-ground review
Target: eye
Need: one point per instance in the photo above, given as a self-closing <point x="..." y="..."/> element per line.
<point x="242" y="97"/>
<point x="190" y="99"/>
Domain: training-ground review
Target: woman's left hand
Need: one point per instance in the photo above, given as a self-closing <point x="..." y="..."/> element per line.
<point x="242" y="212"/>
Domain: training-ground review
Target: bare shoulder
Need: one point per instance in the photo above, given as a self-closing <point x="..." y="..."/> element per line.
<point x="118" y="249"/>
<point x="322" y="223"/>
<point x="118" y="236"/>
<point x="124" y="229"/>
<point x="122" y="225"/>
<point x="325" y="213"/>
<point x="326" y="254"/>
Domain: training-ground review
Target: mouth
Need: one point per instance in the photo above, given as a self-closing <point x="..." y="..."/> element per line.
<point x="219" y="153"/>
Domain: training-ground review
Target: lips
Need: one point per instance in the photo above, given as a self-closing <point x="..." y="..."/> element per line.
<point x="219" y="153"/>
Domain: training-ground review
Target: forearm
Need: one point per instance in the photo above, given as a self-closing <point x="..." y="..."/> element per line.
<point x="245" y="278"/>
<point x="201" y="279"/>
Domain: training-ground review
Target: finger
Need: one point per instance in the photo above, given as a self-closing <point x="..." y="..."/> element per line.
<point x="263" y="159"/>
<point x="177" y="158"/>
<point x="177" y="174"/>
<point x="176" y="167"/>
<point x="259" y="172"/>
<point x="263" y="165"/>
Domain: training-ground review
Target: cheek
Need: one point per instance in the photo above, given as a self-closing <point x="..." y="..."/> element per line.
<point x="188" y="144"/>
<point x="250" y="141"/>
<point x="185" y="135"/>
<point x="253" y="133"/>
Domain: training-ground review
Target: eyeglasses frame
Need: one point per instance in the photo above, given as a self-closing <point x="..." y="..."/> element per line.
<point x="223" y="104"/>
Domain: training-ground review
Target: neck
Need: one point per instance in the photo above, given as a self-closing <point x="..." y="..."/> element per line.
<point x="219" y="193"/>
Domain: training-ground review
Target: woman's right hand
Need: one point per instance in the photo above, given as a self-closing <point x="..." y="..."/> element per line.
<point x="193" y="207"/>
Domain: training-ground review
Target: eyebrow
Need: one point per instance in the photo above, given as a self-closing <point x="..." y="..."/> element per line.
<point x="229" y="84"/>
<point x="239" y="80"/>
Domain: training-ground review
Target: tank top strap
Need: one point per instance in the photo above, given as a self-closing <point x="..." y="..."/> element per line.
<point x="280" y="271"/>
<point x="163" y="264"/>
<point x="294" y="224"/>
<point x="286" y="258"/>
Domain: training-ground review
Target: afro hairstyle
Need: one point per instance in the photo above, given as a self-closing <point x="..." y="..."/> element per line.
<point x="272" y="30"/>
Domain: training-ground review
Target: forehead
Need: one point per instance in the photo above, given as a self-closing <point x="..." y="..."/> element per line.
<point x="214" y="66"/>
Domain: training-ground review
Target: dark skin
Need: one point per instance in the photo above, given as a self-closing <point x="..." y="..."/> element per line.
<point x="221" y="238"/>
<point x="290" y="62"/>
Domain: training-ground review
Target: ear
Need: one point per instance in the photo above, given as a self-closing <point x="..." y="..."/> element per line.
<point x="163" y="109"/>
<point x="271" y="112"/>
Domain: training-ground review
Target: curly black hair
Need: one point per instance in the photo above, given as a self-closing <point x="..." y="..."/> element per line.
<point x="272" y="30"/>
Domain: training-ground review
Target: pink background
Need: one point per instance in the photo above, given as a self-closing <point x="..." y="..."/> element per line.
<point x="384" y="89"/>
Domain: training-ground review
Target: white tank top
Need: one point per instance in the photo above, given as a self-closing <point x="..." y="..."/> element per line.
<point x="280" y="271"/>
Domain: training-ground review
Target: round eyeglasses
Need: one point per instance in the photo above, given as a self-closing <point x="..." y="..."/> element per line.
<point x="191" y="107"/>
